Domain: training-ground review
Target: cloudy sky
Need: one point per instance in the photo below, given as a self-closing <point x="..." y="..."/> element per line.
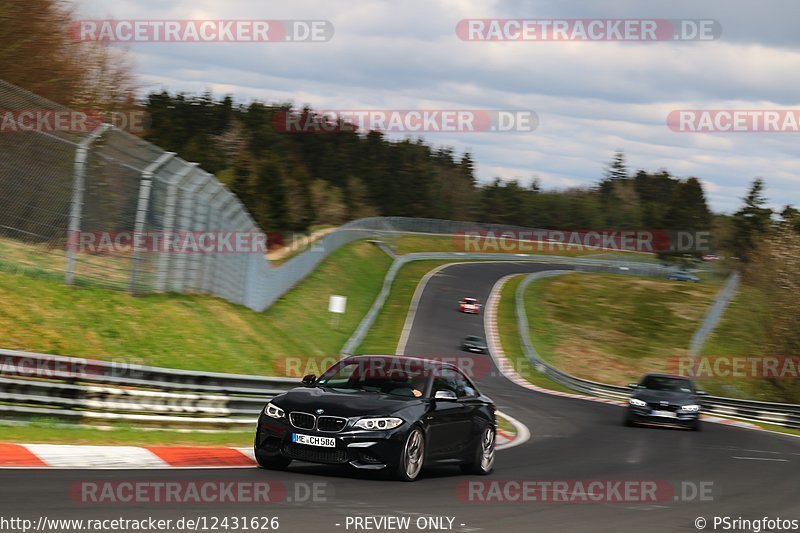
<point x="592" y="98"/>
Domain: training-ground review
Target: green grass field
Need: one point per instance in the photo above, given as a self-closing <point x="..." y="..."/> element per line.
<point x="741" y="333"/>
<point x="50" y="432"/>
<point x="510" y="337"/>
<point x="385" y="332"/>
<point x="612" y="328"/>
<point x="192" y="332"/>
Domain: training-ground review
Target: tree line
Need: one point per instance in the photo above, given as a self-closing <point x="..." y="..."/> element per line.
<point x="291" y="181"/>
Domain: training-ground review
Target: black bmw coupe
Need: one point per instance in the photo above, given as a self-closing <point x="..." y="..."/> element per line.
<point x="664" y="400"/>
<point x="388" y="413"/>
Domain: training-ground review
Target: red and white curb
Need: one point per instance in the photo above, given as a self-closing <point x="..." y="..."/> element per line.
<point x="507" y="368"/>
<point x="122" y="457"/>
<point x="147" y="457"/>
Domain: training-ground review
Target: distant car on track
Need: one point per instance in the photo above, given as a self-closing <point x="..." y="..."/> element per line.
<point x="473" y="343"/>
<point x="664" y="400"/>
<point x="388" y="413"/>
<point x="683" y="276"/>
<point x="469" y="305"/>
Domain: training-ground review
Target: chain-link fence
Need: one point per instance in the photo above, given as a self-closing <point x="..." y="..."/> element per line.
<point x="95" y="205"/>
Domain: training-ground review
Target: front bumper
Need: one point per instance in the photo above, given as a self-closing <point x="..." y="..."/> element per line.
<point x="367" y="450"/>
<point x="645" y="415"/>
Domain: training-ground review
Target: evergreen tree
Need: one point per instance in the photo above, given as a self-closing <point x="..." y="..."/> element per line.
<point x="752" y="221"/>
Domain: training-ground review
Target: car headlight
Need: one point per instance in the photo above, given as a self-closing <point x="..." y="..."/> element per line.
<point x="637" y="402"/>
<point x="378" y="423"/>
<point x="274" y="411"/>
<point x="691" y="408"/>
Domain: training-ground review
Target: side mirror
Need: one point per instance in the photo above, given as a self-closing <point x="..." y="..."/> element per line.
<point x="701" y="393"/>
<point x="309" y="380"/>
<point x="446" y="395"/>
<point x="633" y="385"/>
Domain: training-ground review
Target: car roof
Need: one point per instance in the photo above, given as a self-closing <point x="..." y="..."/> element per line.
<point x="664" y="375"/>
<point x="432" y="362"/>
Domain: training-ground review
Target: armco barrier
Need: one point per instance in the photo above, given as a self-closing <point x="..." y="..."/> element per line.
<point x="70" y="389"/>
<point x="779" y="414"/>
<point x="184" y="399"/>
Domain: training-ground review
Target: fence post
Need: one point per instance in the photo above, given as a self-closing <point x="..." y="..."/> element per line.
<point x="145" y="185"/>
<point x="76" y="207"/>
<point x="169" y="223"/>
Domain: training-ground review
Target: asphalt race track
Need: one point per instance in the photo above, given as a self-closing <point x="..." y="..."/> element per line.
<point x="754" y="474"/>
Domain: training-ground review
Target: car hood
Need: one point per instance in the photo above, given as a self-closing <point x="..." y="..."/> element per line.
<point x="672" y="397"/>
<point x="309" y="399"/>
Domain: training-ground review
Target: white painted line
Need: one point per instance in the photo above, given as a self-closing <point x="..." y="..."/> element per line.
<point x="523" y="434"/>
<point x="761" y="459"/>
<point x="759" y="451"/>
<point x="412" y="308"/>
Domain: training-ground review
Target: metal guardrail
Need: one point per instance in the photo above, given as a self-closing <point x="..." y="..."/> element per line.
<point x="714" y="314"/>
<point x="90" y="391"/>
<point x="779" y="414"/>
<point x="70" y="389"/>
<point x="580" y="263"/>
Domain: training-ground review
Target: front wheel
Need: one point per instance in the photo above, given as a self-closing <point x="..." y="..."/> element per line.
<point x="483" y="459"/>
<point x="274" y="462"/>
<point x="412" y="457"/>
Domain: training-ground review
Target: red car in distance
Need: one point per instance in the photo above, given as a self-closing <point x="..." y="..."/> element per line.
<point x="469" y="305"/>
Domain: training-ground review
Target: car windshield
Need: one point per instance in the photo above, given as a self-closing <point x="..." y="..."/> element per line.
<point x="474" y="339"/>
<point x="396" y="377"/>
<point x="469" y="300"/>
<point x="663" y="383"/>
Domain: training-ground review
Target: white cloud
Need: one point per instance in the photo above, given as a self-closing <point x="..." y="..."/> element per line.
<point x="592" y="98"/>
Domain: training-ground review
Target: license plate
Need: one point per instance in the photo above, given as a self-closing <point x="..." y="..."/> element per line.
<point x="666" y="414"/>
<point x="311" y="440"/>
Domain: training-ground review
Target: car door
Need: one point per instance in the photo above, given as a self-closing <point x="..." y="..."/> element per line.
<point x="449" y="421"/>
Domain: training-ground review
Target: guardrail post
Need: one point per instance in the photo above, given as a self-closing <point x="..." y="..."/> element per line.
<point x="76" y="206"/>
<point x="145" y="186"/>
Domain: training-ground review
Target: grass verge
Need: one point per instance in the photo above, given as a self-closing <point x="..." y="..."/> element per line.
<point x="384" y="334"/>
<point x="741" y="333"/>
<point x="613" y="328"/>
<point x="511" y="341"/>
<point x="49" y="432"/>
<point x="192" y="331"/>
